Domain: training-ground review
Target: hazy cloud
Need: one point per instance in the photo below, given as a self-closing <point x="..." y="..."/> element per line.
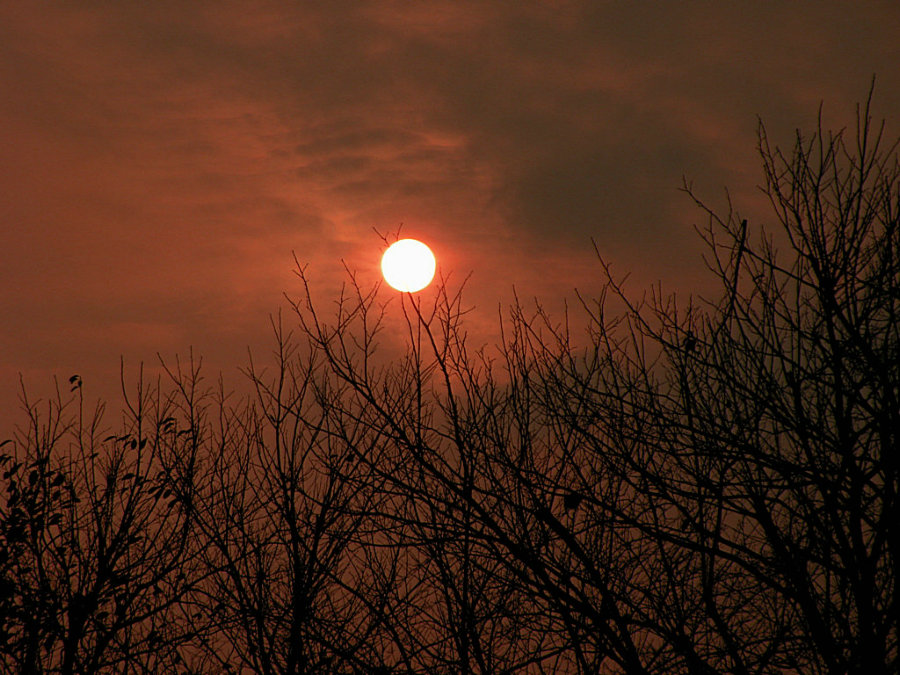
<point x="160" y="161"/>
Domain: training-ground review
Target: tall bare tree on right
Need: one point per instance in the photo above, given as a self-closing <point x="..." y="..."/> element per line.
<point x="759" y="435"/>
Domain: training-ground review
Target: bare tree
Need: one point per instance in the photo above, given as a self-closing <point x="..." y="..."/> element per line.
<point x="688" y="487"/>
<point x="759" y="435"/>
<point x="451" y="437"/>
<point x="289" y="585"/>
<point x="703" y="488"/>
<point x="95" y="551"/>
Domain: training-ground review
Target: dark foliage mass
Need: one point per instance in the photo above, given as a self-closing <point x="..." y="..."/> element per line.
<point x="699" y="487"/>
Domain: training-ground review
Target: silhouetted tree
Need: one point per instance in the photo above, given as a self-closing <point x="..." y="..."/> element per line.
<point x="707" y="487"/>
<point x="760" y="435"/>
<point x="290" y="579"/>
<point x="686" y="487"/>
<point x="94" y="550"/>
<point x="426" y="416"/>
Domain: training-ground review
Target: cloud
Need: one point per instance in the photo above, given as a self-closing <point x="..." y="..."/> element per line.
<point x="161" y="160"/>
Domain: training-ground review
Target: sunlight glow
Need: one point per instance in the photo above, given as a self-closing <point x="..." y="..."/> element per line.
<point x="408" y="265"/>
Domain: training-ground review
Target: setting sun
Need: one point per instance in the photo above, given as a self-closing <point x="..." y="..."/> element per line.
<point x="408" y="265"/>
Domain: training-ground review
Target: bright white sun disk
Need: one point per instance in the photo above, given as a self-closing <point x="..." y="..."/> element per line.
<point x="408" y="265"/>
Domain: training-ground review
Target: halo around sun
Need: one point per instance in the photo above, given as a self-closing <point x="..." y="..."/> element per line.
<point x="408" y="265"/>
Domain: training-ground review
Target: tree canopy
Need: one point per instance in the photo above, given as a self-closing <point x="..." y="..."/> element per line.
<point x="687" y="487"/>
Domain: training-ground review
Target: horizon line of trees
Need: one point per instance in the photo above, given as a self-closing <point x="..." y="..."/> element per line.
<point x="688" y="487"/>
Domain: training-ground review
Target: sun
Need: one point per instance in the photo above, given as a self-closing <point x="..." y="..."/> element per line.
<point x="408" y="265"/>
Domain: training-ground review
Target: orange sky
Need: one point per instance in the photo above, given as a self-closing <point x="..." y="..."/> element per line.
<point x="160" y="161"/>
